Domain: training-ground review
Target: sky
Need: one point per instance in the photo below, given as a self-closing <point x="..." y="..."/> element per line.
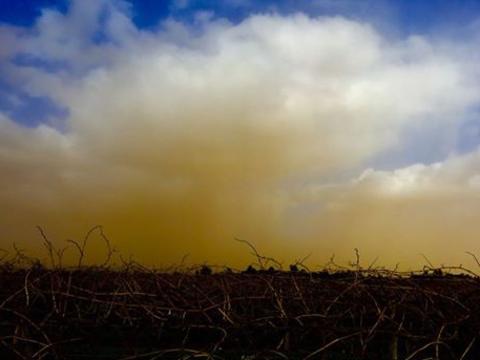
<point x="304" y="127"/>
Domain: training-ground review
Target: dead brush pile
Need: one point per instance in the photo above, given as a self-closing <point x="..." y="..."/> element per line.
<point x="136" y="313"/>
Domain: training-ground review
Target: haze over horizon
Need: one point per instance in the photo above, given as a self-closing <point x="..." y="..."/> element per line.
<point x="304" y="127"/>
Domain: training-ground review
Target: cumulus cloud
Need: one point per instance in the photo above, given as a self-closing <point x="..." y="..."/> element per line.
<point x="181" y="138"/>
<point x="429" y="209"/>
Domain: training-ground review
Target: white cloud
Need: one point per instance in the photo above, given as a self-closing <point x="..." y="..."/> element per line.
<point x="398" y="214"/>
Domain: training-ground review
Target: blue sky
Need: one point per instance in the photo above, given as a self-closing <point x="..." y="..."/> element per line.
<point x="409" y="16"/>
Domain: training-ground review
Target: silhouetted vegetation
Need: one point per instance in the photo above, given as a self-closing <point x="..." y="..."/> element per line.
<point x="263" y="312"/>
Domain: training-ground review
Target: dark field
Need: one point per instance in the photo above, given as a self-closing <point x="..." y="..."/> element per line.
<point x="135" y="313"/>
